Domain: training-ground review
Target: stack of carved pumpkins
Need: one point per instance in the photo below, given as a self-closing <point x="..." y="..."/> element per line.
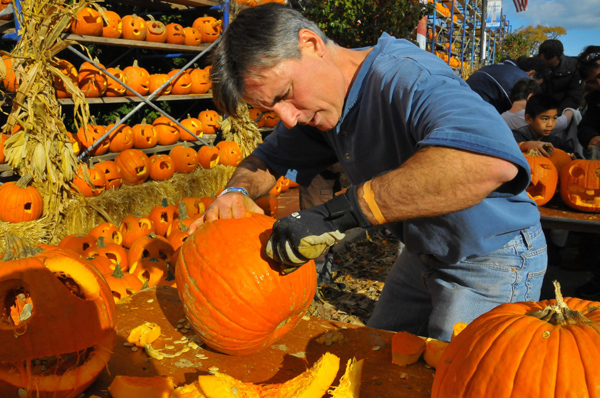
<point x="95" y="83"/>
<point x="89" y="22"/>
<point x="142" y="249"/>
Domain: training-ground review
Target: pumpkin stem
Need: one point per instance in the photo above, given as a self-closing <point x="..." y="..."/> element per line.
<point x="17" y="248"/>
<point x="118" y="271"/>
<point x="24" y="181"/>
<point x="560" y="313"/>
<point x="164" y="202"/>
<point x="100" y="242"/>
<point x="183" y="214"/>
<point x="594" y="152"/>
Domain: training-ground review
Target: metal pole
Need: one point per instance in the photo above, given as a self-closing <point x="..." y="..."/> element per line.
<point x="482" y="49"/>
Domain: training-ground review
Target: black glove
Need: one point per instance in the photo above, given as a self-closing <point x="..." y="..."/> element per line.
<point x="305" y="235"/>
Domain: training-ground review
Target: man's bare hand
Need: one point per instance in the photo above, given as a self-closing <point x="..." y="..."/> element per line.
<point x="230" y="205"/>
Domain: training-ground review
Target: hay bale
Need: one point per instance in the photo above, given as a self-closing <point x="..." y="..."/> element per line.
<point x="82" y="214"/>
<point x="33" y="232"/>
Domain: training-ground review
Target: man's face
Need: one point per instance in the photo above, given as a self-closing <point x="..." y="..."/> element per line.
<point x="308" y="91"/>
<point x="550" y="62"/>
<point x="543" y="124"/>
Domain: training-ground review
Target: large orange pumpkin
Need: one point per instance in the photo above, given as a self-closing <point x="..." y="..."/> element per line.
<point x="92" y="81"/>
<point x="161" y="167"/>
<point x="114" y="88"/>
<point x="175" y="33"/>
<point x="90" y="135"/>
<point x="211" y="121"/>
<point x="543" y="349"/>
<point x="20" y="201"/>
<point x="157" y="32"/>
<point x="144" y="135"/>
<point x="201" y="83"/>
<point x="224" y="291"/>
<point x="208" y="156"/>
<point x="121" y="138"/>
<point x="544" y="179"/>
<point x="62" y="331"/>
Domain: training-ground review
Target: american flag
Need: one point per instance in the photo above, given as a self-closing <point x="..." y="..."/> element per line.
<point x="521" y="5"/>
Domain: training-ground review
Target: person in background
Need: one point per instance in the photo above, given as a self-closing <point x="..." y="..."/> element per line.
<point x="589" y="135"/>
<point x="521" y="92"/>
<point x="561" y="79"/>
<point x="495" y="82"/>
<point x="541" y="112"/>
<point x="589" y="69"/>
<point x="426" y="156"/>
<point x="566" y="124"/>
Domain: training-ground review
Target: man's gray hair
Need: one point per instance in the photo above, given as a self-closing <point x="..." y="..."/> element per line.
<point x="258" y="38"/>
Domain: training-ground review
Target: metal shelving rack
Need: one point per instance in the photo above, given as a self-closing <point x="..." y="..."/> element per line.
<point x="142" y="100"/>
<point x="463" y="30"/>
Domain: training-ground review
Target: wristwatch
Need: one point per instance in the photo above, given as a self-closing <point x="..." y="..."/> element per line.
<point x="234" y="189"/>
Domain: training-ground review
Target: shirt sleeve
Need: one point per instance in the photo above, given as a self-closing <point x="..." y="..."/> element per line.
<point x="299" y="153"/>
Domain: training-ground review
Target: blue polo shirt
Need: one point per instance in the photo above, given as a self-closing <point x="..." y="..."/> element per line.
<point x="404" y="99"/>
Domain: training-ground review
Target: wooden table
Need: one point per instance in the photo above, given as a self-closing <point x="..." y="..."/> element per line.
<point x="288" y="357"/>
<point x="556" y="215"/>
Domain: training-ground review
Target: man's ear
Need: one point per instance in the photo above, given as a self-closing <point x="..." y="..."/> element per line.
<point x="310" y="41"/>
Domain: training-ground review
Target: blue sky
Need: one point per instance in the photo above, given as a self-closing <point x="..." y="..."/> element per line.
<point x="581" y="19"/>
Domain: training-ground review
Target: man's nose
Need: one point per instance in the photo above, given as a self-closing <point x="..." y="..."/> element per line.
<point x="288" y="113"/>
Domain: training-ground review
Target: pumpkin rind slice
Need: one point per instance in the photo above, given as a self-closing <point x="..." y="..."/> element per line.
<point x="313" y="383"/>
<point x="349" y="386"/>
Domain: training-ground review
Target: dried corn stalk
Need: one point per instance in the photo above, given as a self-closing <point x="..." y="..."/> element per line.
<point x="41" y="146"/>
<point x="242" y="130"/>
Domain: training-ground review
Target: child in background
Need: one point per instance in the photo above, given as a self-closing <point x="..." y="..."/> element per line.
<point x="520" y="93"/>
<point x="541" y="113"/>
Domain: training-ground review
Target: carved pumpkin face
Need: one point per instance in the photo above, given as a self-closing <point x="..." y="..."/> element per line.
<point x="58" y="324"/>
<point x="254" y="115"/>
<point x="134" y="28"/>
<point x="157" y="32"/>
<point x="211" y="121"/>
<point x="201" y="83"/>
<point x="208" y="156"/>
<point x="20" y="201"/>
<point x="112" y="173"/>
<point x="134" y="227"/>
<point x="114" y="25"/>
<point x="193" y="37"/>
<point x="271" y="119"/>
<point x="144" y="136"/>
<point x="89" y="181"/>
<point x="135" y="166"/>
<point x="138" y="79"/>
<point x="230" y="153"/>
<point x="175" y="33"/>
<point x="209" y="27"/>
<point x="544" y="179"/>
<point x="88" y="22"/>
<point x="580" y="185"/>
<point x="120" y="138"/>
<point x="157" y="80"/>
<point x="69" y="72"/>
<point x="184" y="158"/>
<point x="167" y="131"/>
<point x="161" y="167"/>
<point x="115" y="88"/>
<point x="182" y="84"/>
<point x="92" y="81"/>
<point x="88" y="136"/>
<point x="193" y="125"/>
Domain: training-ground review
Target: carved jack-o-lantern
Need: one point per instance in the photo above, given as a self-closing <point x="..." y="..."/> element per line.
<point x="544" y="179"/>
<point x="201" y="83"/>
<point x="211" y="121"/>
<point x="58" y="322"/>
<point x="209" y="27"/>
<point x="580" y="185"/>
<point x="135" y="166"/>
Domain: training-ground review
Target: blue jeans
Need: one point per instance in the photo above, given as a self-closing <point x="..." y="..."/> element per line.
<point x="425" y="296"/>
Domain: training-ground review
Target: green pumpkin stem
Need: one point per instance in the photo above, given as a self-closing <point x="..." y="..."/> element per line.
<point x="183" y="214"/>
<point x="118" y="272"/>
<point x="18" y="248"/>
<point x="100" y="242"/>
<point x="560" y="313"/>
